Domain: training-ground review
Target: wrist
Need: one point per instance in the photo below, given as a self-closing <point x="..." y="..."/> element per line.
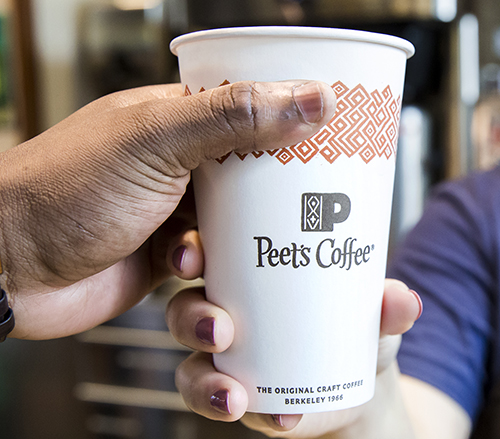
<point x="385" y="415"/>
<point x="17" y="264"/>
<point x="6" y="316"/>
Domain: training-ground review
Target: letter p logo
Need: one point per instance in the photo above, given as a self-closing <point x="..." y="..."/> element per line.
<point x="321" y="211"/>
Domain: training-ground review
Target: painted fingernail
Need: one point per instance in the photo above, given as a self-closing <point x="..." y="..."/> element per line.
<point x="309" y="100"/>
<point x="286" y="422"/>
<point x="278" y="419"/>
<point x="220" y="401"/>
<point x="178" y="257"/>
<point x="205" y="330"/>
<point x="420" y="304"/>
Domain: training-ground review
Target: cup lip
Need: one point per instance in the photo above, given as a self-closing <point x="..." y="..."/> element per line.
<point x="292" y="32"/>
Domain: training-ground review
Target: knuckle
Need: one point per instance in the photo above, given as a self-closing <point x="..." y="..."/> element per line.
<point x="183" y="373"/>
<point x="147" y="124"/>
<point x="182" y="378"/>
<point x="187" y="381"/>
<point x="172" y="319"/>
<point x="236" y="107"/>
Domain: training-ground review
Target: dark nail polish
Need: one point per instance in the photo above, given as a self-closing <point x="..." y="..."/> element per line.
<point x="220" y="401"/>
<point x="178" y="256"/>
<point x="205" y="330"/>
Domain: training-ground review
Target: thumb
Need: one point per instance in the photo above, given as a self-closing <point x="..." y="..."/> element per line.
<point x="243" y="116"/>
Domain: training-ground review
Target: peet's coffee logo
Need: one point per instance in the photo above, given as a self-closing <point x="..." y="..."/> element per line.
<point x="321" y="211"/>
<point x="326" y="254"/>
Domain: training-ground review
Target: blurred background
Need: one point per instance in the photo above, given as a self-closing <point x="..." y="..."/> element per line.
<point x="116" y="381"/>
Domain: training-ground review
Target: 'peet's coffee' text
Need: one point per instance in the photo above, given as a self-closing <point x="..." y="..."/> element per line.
<point x="328" y="253"/>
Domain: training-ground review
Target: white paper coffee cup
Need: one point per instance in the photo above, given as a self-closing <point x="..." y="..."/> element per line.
<point x="296" y="239"/>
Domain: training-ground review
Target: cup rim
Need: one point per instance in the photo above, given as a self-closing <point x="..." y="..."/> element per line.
<point x="292" y="32"/>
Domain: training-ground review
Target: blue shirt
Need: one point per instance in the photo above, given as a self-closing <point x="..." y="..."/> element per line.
<point x="452" y="259"/>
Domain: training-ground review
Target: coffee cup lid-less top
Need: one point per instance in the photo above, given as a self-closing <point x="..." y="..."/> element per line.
<point x="295" y="32"/>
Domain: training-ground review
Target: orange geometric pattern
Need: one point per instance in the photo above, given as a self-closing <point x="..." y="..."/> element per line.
<point x="364" y="124"/>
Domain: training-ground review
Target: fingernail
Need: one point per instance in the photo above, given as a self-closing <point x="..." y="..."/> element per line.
<point x="309" y="100"/>
<point x="220" y="401"/>
<point x="278" y="419"/>
<point x="420" y="304"/>
<point x="205" y="330"/>
<point x="178" y="257"/>
<point x="286" y="422"/>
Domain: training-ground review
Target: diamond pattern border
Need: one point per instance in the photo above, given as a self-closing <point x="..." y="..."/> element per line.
<point x="364" y="124"/>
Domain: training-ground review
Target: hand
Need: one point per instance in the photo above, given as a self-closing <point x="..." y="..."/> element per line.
<point x="83" y="230"/>
<point x="208" y="329"/>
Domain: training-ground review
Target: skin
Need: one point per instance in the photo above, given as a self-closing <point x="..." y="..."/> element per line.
<point x="88" y="206"/>
<point x="94" y="209"/>
<point x="197" y="379"/>
<point x="403" y="407"/>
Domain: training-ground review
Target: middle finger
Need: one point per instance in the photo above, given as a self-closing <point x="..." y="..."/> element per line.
<point x="199" y="324"/>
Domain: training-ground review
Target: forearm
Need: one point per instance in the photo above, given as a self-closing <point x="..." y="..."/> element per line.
<point x="385" y="416"/>
<point x="407" y="408"/>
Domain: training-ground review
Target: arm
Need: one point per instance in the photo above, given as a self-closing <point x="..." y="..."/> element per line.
<point x="385" y="416"/>
<point x="451" y="259"/>
<point x="217" y="396"/>
<point x="407" y="408"/>
<point x="403" y="407"/>
<point x="432" y="413"/>
<point x="83" y="230"/>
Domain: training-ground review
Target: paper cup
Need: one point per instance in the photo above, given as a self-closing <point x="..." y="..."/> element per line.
<point x="296" y="239"/>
